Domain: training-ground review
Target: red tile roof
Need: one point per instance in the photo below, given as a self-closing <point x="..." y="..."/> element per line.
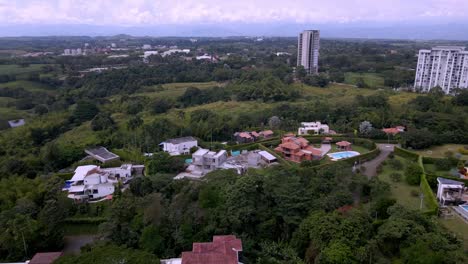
<point x="255" y="134"/>
<point x="45" y="258"/>
<point x="391" y="130"/>
<point x="343" y="144"/>
<point x="245" y="135"/>
<point x="315" y="152"/>
<point x="267" y="133"/>
<point x="223" y="250"/>
<point x="290" y="145"/>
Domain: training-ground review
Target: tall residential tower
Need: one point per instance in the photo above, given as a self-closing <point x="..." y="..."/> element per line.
<point x="308" y="46"/>
<point x="444" y="66"/>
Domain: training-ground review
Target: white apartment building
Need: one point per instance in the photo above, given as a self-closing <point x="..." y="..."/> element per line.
<point x="308" y="46"/>
<point x="179" y="146"/>
<point x="315" y="128"/>
<point x="444" y="66"/>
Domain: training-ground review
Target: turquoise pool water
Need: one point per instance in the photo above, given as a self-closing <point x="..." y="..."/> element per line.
<point x="465" y="207"/>
<point x="343" y="155"/>
<point x="188" y="161"/>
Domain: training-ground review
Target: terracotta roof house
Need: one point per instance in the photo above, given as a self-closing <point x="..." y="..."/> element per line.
<point x="266" y="133"/>
<point x="223" y="250"/>
<point x="243" y="137"/>
<point x="344" y="145"/>
<point x="255" y="134"/>
<point x="394" y="130"/>
<point x="45" y="258"/>
<point x="297" y="149"/>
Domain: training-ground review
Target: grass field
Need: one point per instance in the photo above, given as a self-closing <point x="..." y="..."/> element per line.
<point x="174" y="90"/>
<point x="439" y="151"/>
<point x="373" y="80"/>
<point x="457" y="226"/>
<point x="431" y="168"/>
<point x="401" y="191"/>
<point x="28" y="85"/>
<point x="13" y="69"/>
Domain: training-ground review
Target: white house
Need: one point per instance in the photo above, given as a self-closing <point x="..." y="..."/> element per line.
<point x="174" y="51"/>
<point x="204" y="161"/>
<point x="16" y="123"/>
<point x="314" y="127"/>
<point x="93" y="183"/>
<point x="449" y="191"/>
<point x="179" y="146"/>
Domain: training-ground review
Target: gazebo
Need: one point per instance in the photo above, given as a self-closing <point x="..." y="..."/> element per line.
<point x="344" y="145"/>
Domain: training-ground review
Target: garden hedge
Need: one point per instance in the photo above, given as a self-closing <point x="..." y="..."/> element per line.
<point x="406" y="154"/>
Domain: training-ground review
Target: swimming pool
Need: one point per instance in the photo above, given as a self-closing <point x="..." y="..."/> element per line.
<point x="343" y="155"/>
<point x="464" y="207"/>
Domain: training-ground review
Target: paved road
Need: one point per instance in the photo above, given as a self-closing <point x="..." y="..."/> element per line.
<point x="371" y="166"/>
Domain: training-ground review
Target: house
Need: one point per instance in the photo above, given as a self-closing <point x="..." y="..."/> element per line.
<point x="297" y="149"/>
<point x="313" y="128"/>
<point x="179" y="146"/>
<point x="267" y="157"/>
<point x="266" y="134"/>
<point x="343" y="145"/>
<point x="174" y="51"/>
<point x="223" y="250"/>
<point x="449" y="191"/>
<point x="45" y="258"/>
<point x="93" y="183"/>
<point x="16" y="123"/>
<point x="393" y="130"/>
<point x="244" y="137"/>
<point x="102" y="154"/>
<point x="204" y="161"/>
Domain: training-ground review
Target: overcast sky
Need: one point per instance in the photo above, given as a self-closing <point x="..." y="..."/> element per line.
<point x="154" y="12"/>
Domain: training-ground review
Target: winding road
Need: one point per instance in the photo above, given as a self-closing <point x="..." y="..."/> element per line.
<point x="371" y="165"/>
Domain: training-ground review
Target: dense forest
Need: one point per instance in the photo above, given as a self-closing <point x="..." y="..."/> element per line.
<point x="286" y="214"/>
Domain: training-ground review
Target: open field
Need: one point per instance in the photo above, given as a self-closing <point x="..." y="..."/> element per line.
<point x="373" y="80"/>
<point x="401" y="191"/>
<point x="431" y="169"/>
<point x="173" y="90"/>
<point x="13" y="69"/>
<point x="28" y="85"/>
<point x="439" y="151"/>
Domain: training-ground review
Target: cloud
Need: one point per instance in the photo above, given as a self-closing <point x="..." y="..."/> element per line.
<point x="153" y="12"/>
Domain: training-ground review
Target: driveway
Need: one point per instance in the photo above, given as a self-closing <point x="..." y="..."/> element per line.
<point x="371" y="165"/>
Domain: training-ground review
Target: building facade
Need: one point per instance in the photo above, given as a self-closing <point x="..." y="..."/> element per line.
<point x="179" y="146"/>
<point x="444" y="66"/>
<point x="314" y="128"/>
<point x="308" y="46"/>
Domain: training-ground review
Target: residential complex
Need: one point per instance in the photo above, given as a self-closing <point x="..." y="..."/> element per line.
<point x="247" y="137"/>
<point x="93" y="183"/>
<point x="205" y="161"/>
<point x="297" y="149"/>
<point x="315" y="128"/>
<point x="179" y="146"/>
<point x="308" y="46"/>
<point x="223" y="250"/>
<point x="443" y="66"/>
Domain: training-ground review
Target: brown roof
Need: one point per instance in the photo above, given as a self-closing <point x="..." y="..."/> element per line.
<point x="328" y="138"/>
<point x="391" y="130"/>
<point x="343" y="143"/>
<point x="289" y="145"/>
<point x="315" y="152"/>
<point x="223" y="250"/>
<point x="255" y="134"/>
<point x="45" y="258"/>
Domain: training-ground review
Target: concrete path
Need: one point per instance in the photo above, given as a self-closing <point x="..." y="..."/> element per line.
<point x="371" y="166"/>
<point x="325" y="148"/>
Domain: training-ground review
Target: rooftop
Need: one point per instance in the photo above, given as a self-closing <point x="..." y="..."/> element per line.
<point x="449" y="182"/>
<point x="45" y="258"/>
<point x="223" y="249"/>
<point x="343" y="143"/>
<point x="181" y="140"/>
<point x="16" y="123"/>
<point x="101" y="153"/>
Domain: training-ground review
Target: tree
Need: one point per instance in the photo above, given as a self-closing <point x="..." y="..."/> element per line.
<point x="163" y="162"/>
<point x="134" y="122"/>
<point x="41" y="109"/>
<point x="274" y="122"/>
<point x="160" y="106"/>
<point x="413" y="174"/>
<point x="84" y="111"/>
<point x="102" y="121"/>
<point x="365" y="128"/>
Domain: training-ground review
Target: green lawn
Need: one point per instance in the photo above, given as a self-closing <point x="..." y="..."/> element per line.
<point x="80" y="229"/>
<point x="373" y="80"/>
<point x="13" y="69"/>
<point x="431" y="169"/>
<point x="457" y="226"/>
<point x="401" y="191"/>
<point x="439" y="151"/>
<point x="174" y="90"/>
<point x="28" y="85"/>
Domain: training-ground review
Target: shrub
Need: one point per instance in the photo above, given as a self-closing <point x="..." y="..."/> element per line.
<point x="414" y="193"/>
<point x="391" y="155"/>
<point x="395" y="176"/>
<point x="413" y="174"/>
<point x="379" y="168"/>
<point x="395" y="164"/>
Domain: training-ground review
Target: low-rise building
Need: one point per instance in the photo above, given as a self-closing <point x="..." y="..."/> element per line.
<point x="247" y="137"/>
<point x="314" y="128"/>
<point x="223" y="250"/>
<point x="93" y="183"/>
<point x="16" y="123"/>
<point x="266" y="134"/>
<point x="449" y="191"/>
<point x="394" y="130"/>
<point x="297" y="149"/>
<point x="174" y="51"/>
<point x="179" y="146"/>
<point x="204" y="161"/>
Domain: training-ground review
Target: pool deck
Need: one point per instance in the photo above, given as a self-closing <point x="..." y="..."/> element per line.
<point x="462" y="213"/>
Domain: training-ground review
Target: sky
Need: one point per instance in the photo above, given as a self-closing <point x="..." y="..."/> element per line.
<point x="187" y="12"/>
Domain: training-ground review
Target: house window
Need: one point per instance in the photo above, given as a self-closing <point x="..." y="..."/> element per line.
<point x="95" y="191"/>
